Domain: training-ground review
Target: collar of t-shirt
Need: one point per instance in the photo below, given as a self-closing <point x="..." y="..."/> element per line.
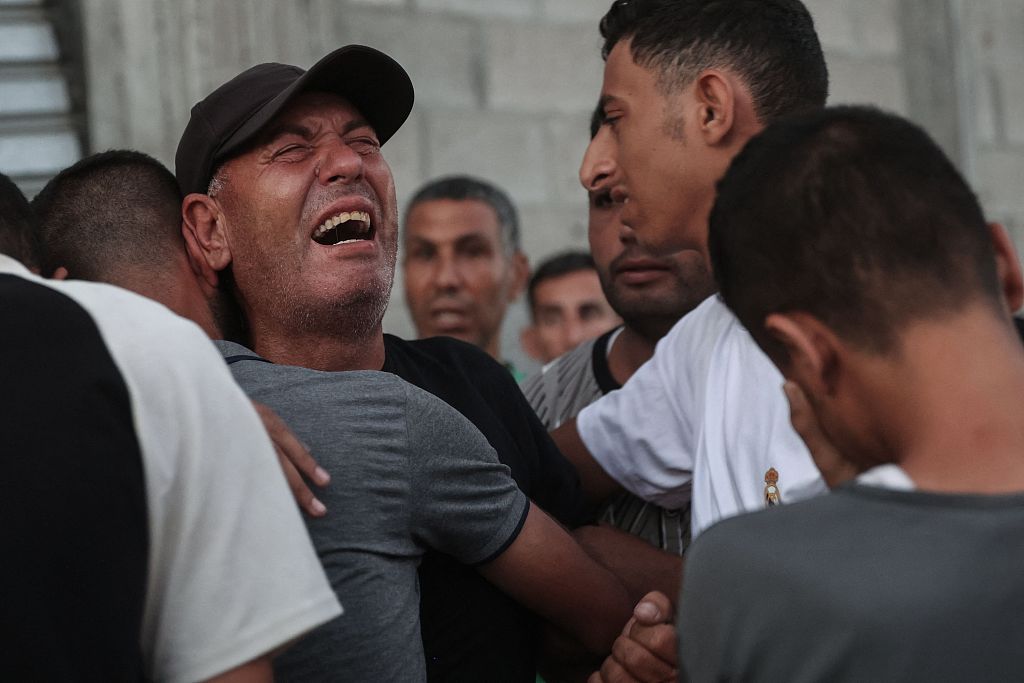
<point x="888" y="476"/>
<point x="611" y="340"/>
<point x="12" y="266"/>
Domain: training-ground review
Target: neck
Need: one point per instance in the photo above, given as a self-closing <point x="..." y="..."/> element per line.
<point x="320" y="350"/>
<point x="177" y="290"/>
<point x="951" y="411"/>
<point x="630" y="350"/>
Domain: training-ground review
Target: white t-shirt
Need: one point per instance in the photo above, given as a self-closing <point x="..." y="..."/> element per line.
<point x="888" y="476"/>
<point x="705" y="418"/>
<point x="232" y="573"/>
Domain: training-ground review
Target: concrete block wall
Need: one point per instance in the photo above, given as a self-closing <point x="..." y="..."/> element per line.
<point x="992" y="35"/>
<point x="505" y="87"/>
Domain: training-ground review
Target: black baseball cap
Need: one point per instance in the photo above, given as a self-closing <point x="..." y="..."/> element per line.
<point x="233" y="114"/>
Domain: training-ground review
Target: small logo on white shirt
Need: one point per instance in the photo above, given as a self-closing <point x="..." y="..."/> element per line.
<point x="771" y="488"/>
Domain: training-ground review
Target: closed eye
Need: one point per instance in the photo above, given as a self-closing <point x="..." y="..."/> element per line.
<point x="291" y="150"/>
<point x="364" y="145"/>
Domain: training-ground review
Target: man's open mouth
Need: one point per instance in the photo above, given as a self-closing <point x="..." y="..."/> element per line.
<point x="344" y="228"/>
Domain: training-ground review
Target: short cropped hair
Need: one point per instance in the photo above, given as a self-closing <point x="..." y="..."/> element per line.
<point x="556" y="266"/>
<point x="18" y="238"/>
<point x="464" y="188"/>
<point x="771" y="44"/>
<point x="866" y="225"/>
<point x="110" y="210"/>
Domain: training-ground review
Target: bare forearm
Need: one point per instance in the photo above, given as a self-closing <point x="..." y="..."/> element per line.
<point x="641" y="567"/>
<point x="257" y="671"/>
<point x="547" y="571"/>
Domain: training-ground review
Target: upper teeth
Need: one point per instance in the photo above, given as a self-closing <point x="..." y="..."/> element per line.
<point x="345" y="217"/>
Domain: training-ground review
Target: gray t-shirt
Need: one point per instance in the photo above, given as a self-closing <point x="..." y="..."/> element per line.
<point x="863" y="584"/>
<point x="408" y="473"/>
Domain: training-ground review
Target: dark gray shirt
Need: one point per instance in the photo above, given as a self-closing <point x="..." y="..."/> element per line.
<point x="408" y="473"/>
<point x="863" y="584"/>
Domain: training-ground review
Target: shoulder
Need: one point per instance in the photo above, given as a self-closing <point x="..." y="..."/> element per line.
<point x="565" y="384"/>
<point x="140" y="329"/>
<point x="444" y="350"/>
<point x="578" y="360"/>
<point x="291" y="389"/>
<point x="788" y="531"/>
<point x="701" y="331"/>
<point x="432" y="419"/>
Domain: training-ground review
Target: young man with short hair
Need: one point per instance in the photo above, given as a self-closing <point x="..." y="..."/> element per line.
<point x="651" y="293"/>
<point x="148" y="540"/>
<point x="867" y="273"/>
<point x="704" y="419"/>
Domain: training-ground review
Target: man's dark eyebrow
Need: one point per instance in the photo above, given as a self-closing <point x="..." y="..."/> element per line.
<point x="472" y="240"/>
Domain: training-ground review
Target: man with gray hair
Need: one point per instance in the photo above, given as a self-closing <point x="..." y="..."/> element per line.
<point x="303" y="232"/>
<point x="463" y="264"/>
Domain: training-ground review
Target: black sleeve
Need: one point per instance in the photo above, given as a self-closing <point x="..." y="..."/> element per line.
<point x="464" y="503"/>
<point x="555" y="485"/>
<point x="476" y="385"/>
<point x="75" y="526"/>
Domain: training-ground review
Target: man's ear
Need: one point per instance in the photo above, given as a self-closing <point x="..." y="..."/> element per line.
<point x="530" y="344"/>
<point x="197" y="261"/>
<point x="812" y="352"/>
<point x="716" y="105"/>
<point x="205" y="238"/>
<point x="520" y="274"/>
<point x="1007" y="267"/>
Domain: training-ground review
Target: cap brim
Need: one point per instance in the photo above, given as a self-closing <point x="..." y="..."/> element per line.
<point x="374" y="83"/>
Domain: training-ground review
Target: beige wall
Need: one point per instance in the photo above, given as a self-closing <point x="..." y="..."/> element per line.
<point x="505" y="87"/>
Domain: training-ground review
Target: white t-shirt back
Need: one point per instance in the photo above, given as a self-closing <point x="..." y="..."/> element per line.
<point x="705" y="419"/>
<point x="232" y="572"/>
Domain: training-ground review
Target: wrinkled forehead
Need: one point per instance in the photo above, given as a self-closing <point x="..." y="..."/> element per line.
<point x="305" y="116"/>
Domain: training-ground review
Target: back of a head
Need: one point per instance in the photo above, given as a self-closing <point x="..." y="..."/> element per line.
<point x="18" y="238"/>
<point x="466" y="188"/>
<point x="109" y="217"/>
<point x="555" y="266"/>
<point x="865" y="224"/>
<point x="770" y="44"/>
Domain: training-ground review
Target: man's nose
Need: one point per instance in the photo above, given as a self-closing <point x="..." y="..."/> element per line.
<point x="597" y="167"/>
<point x="446" y="275"/>
<point x="339" y="163"/>
<point x="573" y="333"/>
